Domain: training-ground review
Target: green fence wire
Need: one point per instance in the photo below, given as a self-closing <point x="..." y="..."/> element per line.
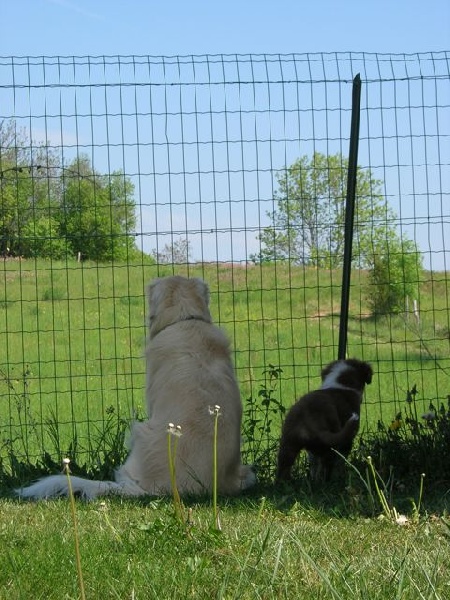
<point x="117" y="169"/>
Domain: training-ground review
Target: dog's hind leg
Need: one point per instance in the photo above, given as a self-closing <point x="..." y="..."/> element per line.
<point x="289" y="450"/>
<point x="321" y="465"/>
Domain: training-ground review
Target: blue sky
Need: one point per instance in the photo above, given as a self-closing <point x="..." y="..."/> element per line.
<point x="180" y="28"/>
<point x="167" y="27"/>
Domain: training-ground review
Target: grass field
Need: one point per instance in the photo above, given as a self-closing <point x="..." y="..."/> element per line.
<point x="73" y="337"/>
<point x="72" y="367"/>
<point x="283" y="546"/>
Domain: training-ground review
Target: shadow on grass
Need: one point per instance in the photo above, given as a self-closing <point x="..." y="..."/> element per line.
<point x="346" y="498"/>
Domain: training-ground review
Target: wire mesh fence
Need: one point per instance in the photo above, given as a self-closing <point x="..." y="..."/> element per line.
<point x="115" y="170"/>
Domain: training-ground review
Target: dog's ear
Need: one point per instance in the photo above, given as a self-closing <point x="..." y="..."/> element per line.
<point x="152" y="291"/>
<point x="368" y="372"/>
<point x="201" y="288"/>
<point x="327" y="370"/>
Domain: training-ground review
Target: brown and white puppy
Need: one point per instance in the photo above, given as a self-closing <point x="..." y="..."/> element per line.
<point x="324" y="420"/>
<point x="189" y="372"/>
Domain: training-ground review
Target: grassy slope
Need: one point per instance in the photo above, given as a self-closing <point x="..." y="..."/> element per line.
<point x="81" y="330"/>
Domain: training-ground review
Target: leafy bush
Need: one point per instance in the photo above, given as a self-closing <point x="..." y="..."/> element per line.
<point x="395" y="275"/>
<point x="41" y="239"/>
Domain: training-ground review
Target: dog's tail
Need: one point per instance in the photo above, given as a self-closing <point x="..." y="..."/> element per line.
<point x="58" y="485"/>
<point x="333" y="439"/>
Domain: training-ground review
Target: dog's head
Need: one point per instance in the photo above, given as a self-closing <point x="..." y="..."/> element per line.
<point x="350" y="373"/>
<point x="174" y="299"/>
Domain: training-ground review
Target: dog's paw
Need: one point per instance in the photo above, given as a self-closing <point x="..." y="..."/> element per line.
<point x="354" y="417"/>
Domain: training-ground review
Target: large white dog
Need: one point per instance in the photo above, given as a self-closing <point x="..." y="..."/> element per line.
<point x="189" y="372"/>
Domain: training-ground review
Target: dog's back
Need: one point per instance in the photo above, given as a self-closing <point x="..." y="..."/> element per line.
<point x="189" y="372"/>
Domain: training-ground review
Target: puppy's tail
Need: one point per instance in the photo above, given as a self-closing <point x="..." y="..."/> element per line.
<point x="344" y="436"/>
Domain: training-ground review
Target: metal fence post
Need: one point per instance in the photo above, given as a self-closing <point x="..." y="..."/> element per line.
<point x="349" y="215"/>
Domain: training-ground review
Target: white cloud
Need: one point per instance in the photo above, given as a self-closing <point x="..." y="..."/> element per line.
<point x="76" y="8"/>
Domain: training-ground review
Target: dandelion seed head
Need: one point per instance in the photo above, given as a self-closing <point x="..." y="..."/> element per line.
<point x="174" y="429"/>
<point x="214" y="411"/>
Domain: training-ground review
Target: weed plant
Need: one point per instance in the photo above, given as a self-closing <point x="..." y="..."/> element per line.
<point x="411" y="444"/>
<point x="96" y="456"/>
<point x="66" y="463"/>
<point x="262" y="420"/>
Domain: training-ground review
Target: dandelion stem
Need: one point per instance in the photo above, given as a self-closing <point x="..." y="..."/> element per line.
<point x="422" y="477"/>
<point x="215" y="413"/>
<point x="75" y="530"/>
<point x="172" y="452"/>
<point x="382" y="498"/>
<point x="215" y="509"/>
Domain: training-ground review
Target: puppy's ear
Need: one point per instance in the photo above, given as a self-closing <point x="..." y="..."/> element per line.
<point x="368" y="372"/>
<point x="326" y="370"/>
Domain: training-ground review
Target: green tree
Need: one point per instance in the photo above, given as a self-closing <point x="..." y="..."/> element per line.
<point x="28" y="186"/>
<point x="177" y="252"/>
<point x="51" y="211"/>
<point x="308" y="228"/>
<point x="308" y="225"/>
<point x="97" y="216"/>
<point x="15" y="191"/>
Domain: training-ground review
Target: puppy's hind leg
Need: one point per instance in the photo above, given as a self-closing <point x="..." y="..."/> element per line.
<point x="315" y="466"/>
<point x="321" y="465"/>
<point x="289" y="450"/>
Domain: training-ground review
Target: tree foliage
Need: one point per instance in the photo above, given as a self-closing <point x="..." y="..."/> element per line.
<point x="308" y="225"/>
<point x="177" y="252"/>
<point x="98" y="212"/>
<point x="53" y="211"/>
<point x="395" y="276"/>
<point x="307" y="228"/>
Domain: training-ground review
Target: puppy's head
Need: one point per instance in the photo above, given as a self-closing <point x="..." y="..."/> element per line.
<point x="174" y="299"/>
<point x="350" y="373"/>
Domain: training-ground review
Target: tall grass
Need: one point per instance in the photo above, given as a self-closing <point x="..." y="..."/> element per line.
<point x="78" y="331"/>
<point x="279" y="549"/>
